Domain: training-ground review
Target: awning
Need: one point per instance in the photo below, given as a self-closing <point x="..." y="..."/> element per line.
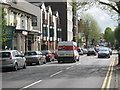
<point x="28" y="32"/>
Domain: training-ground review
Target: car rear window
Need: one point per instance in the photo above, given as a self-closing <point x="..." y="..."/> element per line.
<point x="44" y="52"/>
<point x="30" y="53"/>
<point x="5" y="54"/>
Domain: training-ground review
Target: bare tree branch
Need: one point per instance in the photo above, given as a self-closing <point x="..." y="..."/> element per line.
<point x="113" y="7"/>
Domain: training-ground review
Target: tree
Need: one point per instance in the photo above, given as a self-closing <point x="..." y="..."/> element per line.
<point x="117" y="35"/>
<point x="109" y="36"/>
<point x="90" y="28"/>
<point x="75" y="6"/>
<point x="113" y="4"/>
<point x="3" y="26"/>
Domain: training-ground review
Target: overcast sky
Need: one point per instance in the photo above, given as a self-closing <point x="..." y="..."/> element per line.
<point x="103" y="19"/>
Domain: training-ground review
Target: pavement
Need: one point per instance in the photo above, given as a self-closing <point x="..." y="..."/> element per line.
<point x="118" y="75"/>
<point x="117" y="68"/>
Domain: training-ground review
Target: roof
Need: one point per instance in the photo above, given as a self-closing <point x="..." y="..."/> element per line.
<point x="19" y="8"/>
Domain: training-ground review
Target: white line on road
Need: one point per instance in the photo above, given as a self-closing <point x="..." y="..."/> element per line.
<point x="31" y="84"/>
<point x="78" y="63"/>
<point x="69" y="67"/>
<point x="55" y="74"/>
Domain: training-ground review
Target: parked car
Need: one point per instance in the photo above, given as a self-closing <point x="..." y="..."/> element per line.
<point x="110" y="50"/>
<point x="49" y="56"/>
<point x="91" y="51"/>
<point x="80" y="51"/>
<point x="12" y="59"/>
<point x="84" y="51"/>
<point x="103" y="52"/>
<point x="55" y="54"/>
<point x="35" y="57"/>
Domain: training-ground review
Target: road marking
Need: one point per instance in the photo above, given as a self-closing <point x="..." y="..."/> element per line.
<point x="69" y="67"/>
<point x="31" y="84"/>
<point x="55" y="73"/>
<point x="105" y="80"/>
<point x="78" y="63"/>
<point x="108" y="75"/>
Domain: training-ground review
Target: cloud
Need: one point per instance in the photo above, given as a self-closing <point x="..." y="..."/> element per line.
<point x="103" y="19"/>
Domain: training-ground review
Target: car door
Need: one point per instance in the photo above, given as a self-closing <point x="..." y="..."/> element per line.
<point x="16" y="58"/>
<point x="22" y="59"/>
<point x="40" y="55"/>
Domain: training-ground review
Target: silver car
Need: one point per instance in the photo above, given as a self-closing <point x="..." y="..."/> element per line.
<point x="35" y="57"/>
<point x="12" y="59"/>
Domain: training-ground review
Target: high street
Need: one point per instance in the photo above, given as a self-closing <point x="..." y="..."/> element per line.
<point x="89" y="72"/>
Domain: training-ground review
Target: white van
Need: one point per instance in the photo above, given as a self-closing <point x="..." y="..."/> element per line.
<point x="68" y="51"/>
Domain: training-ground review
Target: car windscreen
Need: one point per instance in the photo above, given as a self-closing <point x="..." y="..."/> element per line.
<point x="91" y="49"/>
<point x="30" y="53"/>
<point x="103" y="49"/>
<point x="5" y="54"/>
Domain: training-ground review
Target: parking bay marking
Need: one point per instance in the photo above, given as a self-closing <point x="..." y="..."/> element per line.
<point x="69" y="67"/>
<point x="55" y="73"/>
<point x="31" y="84"/>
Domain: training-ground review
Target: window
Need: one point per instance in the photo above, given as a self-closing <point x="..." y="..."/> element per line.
<point x="22" y="23"/>
<point x="30" y="53"/>
<point x="34" y="21"/>
<point x="5" y="54"/>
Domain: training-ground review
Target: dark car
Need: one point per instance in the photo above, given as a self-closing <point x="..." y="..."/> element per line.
<point x="84" y="51"/>
<point x="110" y="50"/>
<point x="80" y="51"/>
<point x="91" y="51"/>
<point x="49" y="56"/>
<point x="104" y="52"/>
<point x="35" y="57"/>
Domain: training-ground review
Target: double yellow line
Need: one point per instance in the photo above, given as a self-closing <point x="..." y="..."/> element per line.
<point x="107" y="80"/>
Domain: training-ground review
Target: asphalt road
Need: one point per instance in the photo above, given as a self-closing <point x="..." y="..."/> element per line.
<point x="89" y="72"/>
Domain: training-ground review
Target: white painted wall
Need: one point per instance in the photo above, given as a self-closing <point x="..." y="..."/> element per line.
<point x="69" y="22"/>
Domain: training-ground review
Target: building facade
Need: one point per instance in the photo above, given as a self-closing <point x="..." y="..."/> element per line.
<point x="25" y="37"/>
<point x="49" y="26"/>
<point x="69" y="22"/>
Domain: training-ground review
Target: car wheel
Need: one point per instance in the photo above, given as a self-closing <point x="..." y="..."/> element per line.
<point x="78" y="58"/>
<point x="39" y="62"/>
<point x="15" y="67"/>
<point x="49" y="60"/>
<point x="24" y="67"/>
<point x="44" y="62"/>
<point x="74" y="60"/>
<point x="58" y="61"/>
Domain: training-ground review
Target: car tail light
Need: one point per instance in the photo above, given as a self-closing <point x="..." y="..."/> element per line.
<point x="10" y="56"/>
<point x="47" y="55"/>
